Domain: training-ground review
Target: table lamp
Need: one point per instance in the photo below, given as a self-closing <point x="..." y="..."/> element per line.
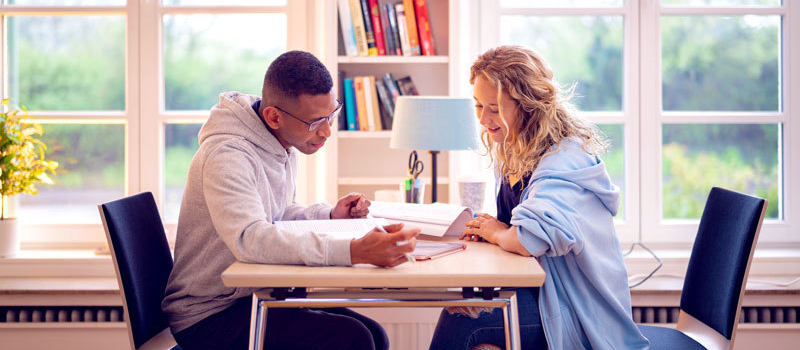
<point x="434" y="123"/>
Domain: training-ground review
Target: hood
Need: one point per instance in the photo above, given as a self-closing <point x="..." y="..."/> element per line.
<point x="234" y="116"/>
<point x="583" y="169"/>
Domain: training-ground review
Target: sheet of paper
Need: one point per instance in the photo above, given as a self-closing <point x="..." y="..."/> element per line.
<point x="348" y="228"/>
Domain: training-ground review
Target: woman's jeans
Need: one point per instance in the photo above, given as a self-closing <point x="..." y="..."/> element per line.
<point x="457" y="331"/>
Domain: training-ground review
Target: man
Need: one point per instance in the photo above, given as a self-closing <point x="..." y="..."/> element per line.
<point x="242" y="180"/>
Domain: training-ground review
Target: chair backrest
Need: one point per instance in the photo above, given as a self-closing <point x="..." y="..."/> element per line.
<point x="142" y="260"/>
<point x="720" y="260"/>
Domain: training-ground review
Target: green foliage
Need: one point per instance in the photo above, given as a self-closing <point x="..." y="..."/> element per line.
<point x="689" y="177"/>
<point x="22" y="162"/>
<point x="91" y="156"/>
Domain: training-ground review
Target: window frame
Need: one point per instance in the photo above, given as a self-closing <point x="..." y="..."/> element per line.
<point x="643" y="118"/>
<point x="144" y="116"/>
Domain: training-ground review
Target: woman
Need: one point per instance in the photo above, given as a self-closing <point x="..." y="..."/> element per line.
<point x="555" y="203"/>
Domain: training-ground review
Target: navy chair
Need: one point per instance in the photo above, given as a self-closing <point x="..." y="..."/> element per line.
<point x="143" y="263"/>
<point x="717" y="275"/>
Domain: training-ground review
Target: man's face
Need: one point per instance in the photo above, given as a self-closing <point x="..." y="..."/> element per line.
<point x="309" y="108"/>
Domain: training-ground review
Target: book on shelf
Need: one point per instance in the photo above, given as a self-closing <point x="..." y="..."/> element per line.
<point x="361" y="104"/>
<point x="371" y="104"/>
<point x="358" y="27"/>
<point x="437" y="219"/>
<point x="387" y="106"/>
<point x="402" y="28"/>
<point x="346" y="23"/>
<point x="350" y="104"/>
<point x="391" y="86"/>
<point x="411" y="22"/>
<point x="424" y="27"/>
<point x="372" y="50"/>
<point x="387" y="31"/>
<point x="406" y="86"/>
<point x="377" y="28"/>
<point x="357" y="228"/>
<point x="391" y="13"/>
<point x="376" y="111"/>
<point x="342" y="120"/>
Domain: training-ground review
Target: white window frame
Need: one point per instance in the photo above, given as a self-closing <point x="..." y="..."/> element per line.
<point x="144" y="116"/>
<point x="642" y="101"/>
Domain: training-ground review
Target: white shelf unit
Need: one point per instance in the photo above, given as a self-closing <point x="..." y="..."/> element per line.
<point x="361" y="161"/>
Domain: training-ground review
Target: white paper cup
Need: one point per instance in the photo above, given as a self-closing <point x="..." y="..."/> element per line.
<point x="471" y="190"/>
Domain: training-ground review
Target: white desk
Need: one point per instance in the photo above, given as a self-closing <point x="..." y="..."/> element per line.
<point x="425" y="283"/>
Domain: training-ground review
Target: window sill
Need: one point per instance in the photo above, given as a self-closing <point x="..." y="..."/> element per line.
<point x="57" y="263"/>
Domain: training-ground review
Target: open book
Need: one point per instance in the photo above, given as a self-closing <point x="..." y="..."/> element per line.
<point x="357" y="228"/>
<point x="435" y="219"/>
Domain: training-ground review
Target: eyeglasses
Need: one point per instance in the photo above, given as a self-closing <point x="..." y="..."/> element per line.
<point x="316" y="124"/>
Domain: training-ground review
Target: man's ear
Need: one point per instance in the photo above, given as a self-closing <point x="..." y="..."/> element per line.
<point x="272" y="117"/>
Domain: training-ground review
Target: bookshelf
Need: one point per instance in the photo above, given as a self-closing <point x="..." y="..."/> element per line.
<point x="361" y="161"/>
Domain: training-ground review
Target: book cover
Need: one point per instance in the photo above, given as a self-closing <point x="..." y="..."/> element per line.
<point x="424" y="28"/>
<point x="411" y="22"/>
<point x="390" y="12"/>
<point x="372" y="50"/>
<point x="342" y="121"/>
<point x="358" y="27"/>
<point x="387" y="31"/>
<point x="373" y="107"/>
<point x="407" y="86"/>
<point x="377" y="28"/>
<point x="361" y="104"/>
<point x="387" y="106"/>
<point x="391" y="86"/>
<point x="402" y="27"/>
<point x="350" y="104"/>
<point x="346" y="23"/>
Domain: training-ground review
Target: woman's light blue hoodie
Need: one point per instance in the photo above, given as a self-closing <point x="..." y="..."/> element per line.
<point x="565" y="221"/>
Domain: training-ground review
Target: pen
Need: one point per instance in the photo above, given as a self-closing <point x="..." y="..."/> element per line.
<point x="380" y="228"/>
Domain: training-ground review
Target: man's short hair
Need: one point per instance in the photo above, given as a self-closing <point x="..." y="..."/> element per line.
<point x="292" y="74"/>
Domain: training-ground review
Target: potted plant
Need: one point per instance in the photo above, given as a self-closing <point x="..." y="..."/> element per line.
<point x="22" y="165"/>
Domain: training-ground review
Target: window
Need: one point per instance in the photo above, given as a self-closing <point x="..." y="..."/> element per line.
<point x="691" y="93"/>
<point x="121" y="89"/>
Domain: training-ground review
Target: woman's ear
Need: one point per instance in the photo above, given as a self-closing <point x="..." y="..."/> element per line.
<point x="272" y="117"/>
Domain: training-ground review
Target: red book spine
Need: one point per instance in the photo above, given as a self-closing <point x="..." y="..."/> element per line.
<point x="375" y="14"/>
<point x="424" y="27"/>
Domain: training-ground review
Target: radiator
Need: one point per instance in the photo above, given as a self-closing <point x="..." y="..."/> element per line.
<point x="37" y="314"/>
<point x="759" y="314"/>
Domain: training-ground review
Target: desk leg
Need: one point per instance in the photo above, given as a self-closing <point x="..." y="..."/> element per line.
<point x="511" y="322"/>
<point x="258" y="324"/>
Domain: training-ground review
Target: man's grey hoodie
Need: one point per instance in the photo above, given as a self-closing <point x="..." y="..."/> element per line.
<point x="240" y="181"/>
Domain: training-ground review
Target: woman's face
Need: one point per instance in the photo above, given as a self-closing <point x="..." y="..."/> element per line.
<point x="488" y="109"/>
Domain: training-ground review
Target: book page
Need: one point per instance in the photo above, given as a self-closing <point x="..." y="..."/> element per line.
<point x="346" y="228"/>
<point x="435" y="219"/>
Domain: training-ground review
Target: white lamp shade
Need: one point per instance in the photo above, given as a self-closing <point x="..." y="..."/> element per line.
<point x="434" y="123"/>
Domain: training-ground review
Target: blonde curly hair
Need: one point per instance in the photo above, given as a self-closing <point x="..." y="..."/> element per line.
<point x="544" y="116"/>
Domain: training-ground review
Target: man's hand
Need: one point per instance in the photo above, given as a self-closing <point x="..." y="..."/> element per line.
<point x="351" y="206"/>
<point x="381" y="249"/>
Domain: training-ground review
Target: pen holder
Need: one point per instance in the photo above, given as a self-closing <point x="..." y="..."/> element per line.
<point x="413" y="190"/>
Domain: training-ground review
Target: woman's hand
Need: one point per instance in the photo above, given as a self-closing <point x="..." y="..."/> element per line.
<point x="485" y="227"/>
<point x="488" y="228"/>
